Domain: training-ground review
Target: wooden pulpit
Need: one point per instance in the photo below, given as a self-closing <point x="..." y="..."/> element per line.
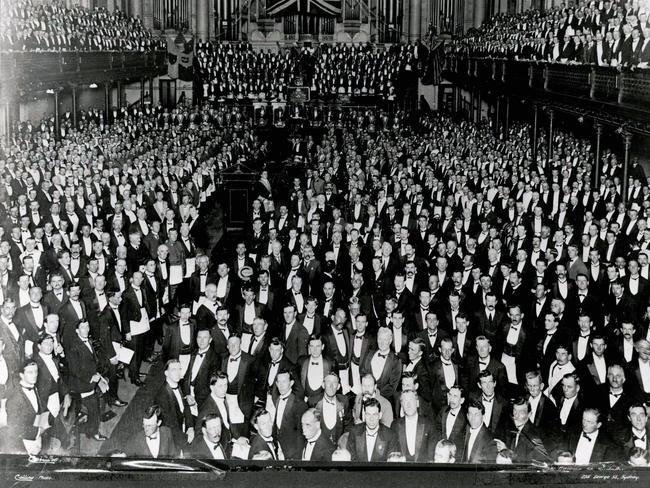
<point x="238" y="181"/>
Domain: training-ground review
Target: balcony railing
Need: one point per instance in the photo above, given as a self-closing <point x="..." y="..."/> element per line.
<point x="626" y="88"/>
<point x="24" y="68"/>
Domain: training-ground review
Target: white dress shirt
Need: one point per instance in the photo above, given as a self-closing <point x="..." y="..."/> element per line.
<point x="473" y="434"/>
<point x="566" y="409"/>
<point x="377" y="364"/>
<point x="233" y="367"/>
<point x="585" y="447"/>
<point x="154" y="444"/>
<point x="371" y="439"/>
<point x="315" y="373"/>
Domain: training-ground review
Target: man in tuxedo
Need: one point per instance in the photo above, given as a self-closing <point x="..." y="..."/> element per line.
<point x="496" y="409"/>
<point x="570" y="405"/>
<point x="288" y="416"/>
<point x="264" y="440"/>
<point x="613" y="400"/>
<point x="371" y="441"/>
<point x="479" y="445"/>
<point x="333" y="409"/>
<point x="22" y="409"/>
<point x="414" y="432"/>
<point x="521" y="436"/>
<point x="202" y="363"/>
<point x="294" y="335"/>
<point x="157" y="441"/>
<point x="543" y="412"/>
<point x="451" y="421"/>
<point x="239" y="367"/>
<point x="209" y="444"/>
<point x="86" y="376"/>
<point x="481" y="362"/>
<point x="175" y="409"/>
<point x="635" y="433"/>
<point x="135" y="304"/>
<point x="384" y="365"/>
<point x="312" y="371"/>
<point x="369" y="390"/>
<point x="318" y="447"/>
<point x="589" y="443"/>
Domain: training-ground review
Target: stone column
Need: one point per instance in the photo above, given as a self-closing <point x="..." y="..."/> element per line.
<point x="57" y="122"/>
<point x="74" y="106"/>
<point x="506" y="120"/>
<point x="533" y="138"/>
<point x="7" y="114"/>
<point x="479" y="12"/>
<point x="549" y="155"/>
<point x="136" y="8"/>
<point x="472" y="111"/>
<point x="202" y="20"/>
<point x="414" y="22"/>
<point x="599" y="134"/>
<point x="626" y="163"/>
<point x="497" y="116"/>
<point x="107" y="100"/>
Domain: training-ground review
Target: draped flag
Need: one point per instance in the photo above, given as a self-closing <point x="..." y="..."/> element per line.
<point x="316" y="7"/>
<point x="433" y="66"/>
<point x="180" y="60"/>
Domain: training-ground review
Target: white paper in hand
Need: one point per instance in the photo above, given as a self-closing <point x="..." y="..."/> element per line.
<point x="240" y="451"/>
<point x="175" y="274"/>
<point x="125" y="355"/>
<point x="54" y="404"/>
<point x="190" y="266"/>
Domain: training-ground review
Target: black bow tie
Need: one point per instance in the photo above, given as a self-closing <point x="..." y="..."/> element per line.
<point x="275" y="363"/>
<point x="315" y="363"/>
<point x="202" y="354"/>
<point x="584" y="336"/>
<point x="382" y="355"/>
<point x="616" y="395"/>
<point x="152" y="437"/>
<point x="174" y="387"/>
<point x="490" y="400"/>
<point x="586" y="437"/>
<point x="27" y="387"/>
<point x="234" y="360"/>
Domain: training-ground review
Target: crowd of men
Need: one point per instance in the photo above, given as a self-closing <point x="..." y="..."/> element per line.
<point x="51" y="26"/>
<point x="420" y="293"/>
<point x="602" y="33"/>
<point x="230" y="71"/>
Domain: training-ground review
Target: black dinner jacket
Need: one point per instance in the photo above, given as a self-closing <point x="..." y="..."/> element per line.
<point x="201" y="383"/>
<point x="172" y="416"/>
<point x="137" y="446"/>
<point x="386" y="443"/>
<point x="425" y="439"/>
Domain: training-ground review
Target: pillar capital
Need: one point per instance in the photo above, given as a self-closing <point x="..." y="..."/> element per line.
<point x="627" y="139"/>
